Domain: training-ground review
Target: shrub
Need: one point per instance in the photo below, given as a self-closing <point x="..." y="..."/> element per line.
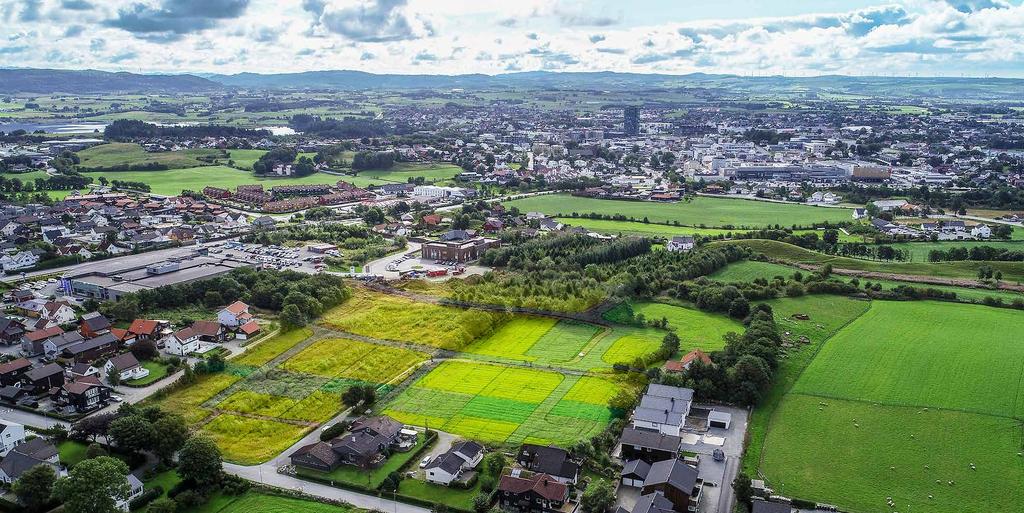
<point x="147" y="496"/>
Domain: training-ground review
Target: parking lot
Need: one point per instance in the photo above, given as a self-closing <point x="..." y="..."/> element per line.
<point x="274" y="257"/>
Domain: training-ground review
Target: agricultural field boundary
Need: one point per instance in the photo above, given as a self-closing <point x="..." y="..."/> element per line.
<point x="775" y="407"/>
<point x="541" y="412"/>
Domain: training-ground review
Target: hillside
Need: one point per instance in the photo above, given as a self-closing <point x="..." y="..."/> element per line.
<point x="46" y="81"/>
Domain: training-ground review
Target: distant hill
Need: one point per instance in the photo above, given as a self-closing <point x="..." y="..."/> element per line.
<point x="46" y="81"/>
<point x="90" y="81"/>
<point x="922" y="87"/>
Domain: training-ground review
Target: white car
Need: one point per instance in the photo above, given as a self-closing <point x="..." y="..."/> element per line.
<point x="424" y="462"/>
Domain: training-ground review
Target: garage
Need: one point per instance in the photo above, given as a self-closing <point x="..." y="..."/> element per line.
<point x="719" y="419"/>
<point x="634" y="473"/>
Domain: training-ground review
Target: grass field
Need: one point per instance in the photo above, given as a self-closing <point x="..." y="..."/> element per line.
<point x="506" y="405"/>
<point x="264" y="503"/>
<point x="133" y="155"/>
<point x="749" y="270"/>
<point x="172" y="181"/>
<point x="700" y="212"/>
<point x="1012" y="271"/>
<point x="665" y="230"/>
<point x="403" y="171"/>
<point x="941" y="355"/>
<point x="249" y="441"/>
<point x="695" y="329"/>
<point x="855" y="454"/>
<point x="187" y="400"/>
<point x="343" y="358"/>
<point x="919" y="250"/>
<point x="268" y="349"/>
<point x="384" y="316"/>
<point x="906" y="394"/>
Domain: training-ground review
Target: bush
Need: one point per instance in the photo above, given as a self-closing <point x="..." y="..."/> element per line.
<point x="334" y="431"/>
<point x="147" y="496"/>
<point x="802" y="504"/>
<point x="481" y="503"/>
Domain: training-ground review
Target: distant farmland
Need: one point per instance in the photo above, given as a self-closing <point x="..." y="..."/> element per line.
<point x="700" y="212"/>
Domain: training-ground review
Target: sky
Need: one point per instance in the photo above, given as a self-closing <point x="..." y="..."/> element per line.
<point x="742" y="37"/>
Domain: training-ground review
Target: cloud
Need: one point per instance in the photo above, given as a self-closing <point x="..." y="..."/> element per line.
<point x="596" y="38"/>
<point x="8" y="50"/>
<point x="123" y="56"/>
<point x="74" y="31"/>
<point x="970" y="6"/>
<point x="77" y="5"/>
<point x="267" y="34"/>
<point x="374" y="21"/>
<point x="613" y="51"/>
<point x="367" y="56"/>
<point x="581" y="16"/>
<point x="923" y="46"/>
<point x="174" y="18"/>
<point x="425" y="57"/>
<point x="30" y="10"/>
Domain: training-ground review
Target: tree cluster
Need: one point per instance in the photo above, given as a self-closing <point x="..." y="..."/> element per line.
<point x="129" y="129"/>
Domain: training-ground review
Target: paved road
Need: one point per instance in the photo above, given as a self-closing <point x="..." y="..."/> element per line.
<point x="267" y="475"/>
<point x="29" y="419"/>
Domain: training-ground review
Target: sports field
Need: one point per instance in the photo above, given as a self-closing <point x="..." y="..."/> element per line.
<point x="506" y="405"/>
<point x="700" y="212"/>
<point x="384" y="316"/>
<point x="907" y="394"/>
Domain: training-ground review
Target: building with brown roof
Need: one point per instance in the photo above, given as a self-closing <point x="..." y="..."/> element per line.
<point x="539" y="493"/>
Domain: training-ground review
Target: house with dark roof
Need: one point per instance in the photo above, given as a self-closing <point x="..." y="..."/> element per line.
<point x="209" y="331"/>
<point x="84" y="395"/>
<point x="10" y="331"/>
<point x="365" y="445"/>
<point x="93" y="324"/>
<point x="650" y="503"/>
<point x="763" y="506"/>
<point x="53" y="346"/>
<point x="663" y="409"/>
<point x="677" y="481"/>
<point x="42" y="379"/>
<point x="182" y="342"/>
<point x="649" y="446"/>
<point x="450" y="465"/>
<point x="91" y="349"/>
<point x="12" y="371"/>
<point x="26" y="455"/>
<point x="538" y="493"/>
<point x="550" y="460"/>
<point x="126" y="366"/>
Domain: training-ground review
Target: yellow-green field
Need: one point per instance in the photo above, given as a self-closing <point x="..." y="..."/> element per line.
<point x="506" y="405"/>
<point x="388" y="317"/>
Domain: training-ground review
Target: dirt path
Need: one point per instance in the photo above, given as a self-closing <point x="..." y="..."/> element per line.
<point x="915" y="278"/>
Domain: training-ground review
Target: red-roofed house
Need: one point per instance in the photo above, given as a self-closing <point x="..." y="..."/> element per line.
<point x="248" y="330"/>
<point x="684" y="363"/>
<point x="234" y="315"/>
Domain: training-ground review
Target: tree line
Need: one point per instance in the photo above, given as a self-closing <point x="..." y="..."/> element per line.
<point x="129" y="129"/>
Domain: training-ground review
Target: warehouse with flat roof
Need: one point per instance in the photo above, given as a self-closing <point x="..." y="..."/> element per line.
<point x="117" y="277"/>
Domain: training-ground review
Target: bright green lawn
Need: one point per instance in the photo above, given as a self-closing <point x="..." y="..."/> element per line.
<point x="827" y="314"/>
<point x="856" y="454"/>
<point x="919" y="250"/>
<point x="157" y="371"/>
<point x="696" y="329"/>
<point x="253" y="502"/>
<point x="750" y="270"/>
<point x="133" y="155"/>
<point x="1012" y="271"/>
<point x="172" y="182"/>
<point x="922" y="353"/>
<point x="701" y="211"/>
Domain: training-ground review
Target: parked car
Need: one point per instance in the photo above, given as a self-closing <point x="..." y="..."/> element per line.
<point x="424" y="462"/>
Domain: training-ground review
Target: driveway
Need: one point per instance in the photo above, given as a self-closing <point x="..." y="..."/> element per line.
<point x="720" y="498"/>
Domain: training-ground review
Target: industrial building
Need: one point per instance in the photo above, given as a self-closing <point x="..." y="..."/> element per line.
<point x="111" y="279"/>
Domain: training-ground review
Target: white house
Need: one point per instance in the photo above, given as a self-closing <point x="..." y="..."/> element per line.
<point x="182" y="342"/>
<point x="136" y="488"/>
<point x="18" y="261"/>
<point x="981" y="231"/>
<point x="234" y="315"/>
<point x="663" y="409"/>
<point x="58" y="312"/>
<point x="11" y="434"/>
<point x="680" y="243"/>
<point x="448" y="466"/>
<point x="127" y="367"/>
<point x="860" y="213"/>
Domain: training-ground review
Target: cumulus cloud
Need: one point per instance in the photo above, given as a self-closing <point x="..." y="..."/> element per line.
<point x="374" y="21"/>
<point x="596" y="38"/>
<point x="77" y="5"/>
<point x="174" y="18"/>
